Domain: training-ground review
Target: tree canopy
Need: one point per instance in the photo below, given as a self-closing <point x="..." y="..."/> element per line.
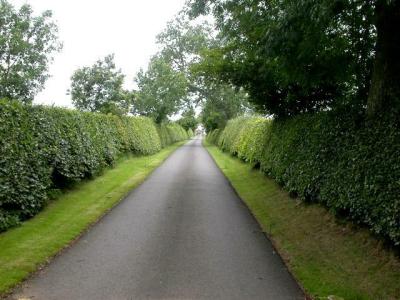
<point x="302" y="56"/>
<point x="171" y="85"/>
<point x="182" y="42"/>
<point x="27" y="45"/>
<point x="188" y="119"/>
<point x="98" y="88"/>
<point x="224" y="102"/>
<point x="182" y="45"/>
<point x="162" y="91"/>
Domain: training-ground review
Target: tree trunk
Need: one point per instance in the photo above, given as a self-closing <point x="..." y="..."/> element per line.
<point x="384" y="93"/>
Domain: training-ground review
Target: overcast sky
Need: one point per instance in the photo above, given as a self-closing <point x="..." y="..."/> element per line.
<point x="92" y="29"/>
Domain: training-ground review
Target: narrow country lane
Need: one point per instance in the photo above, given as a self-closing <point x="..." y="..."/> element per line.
<point x="182" y="234"/>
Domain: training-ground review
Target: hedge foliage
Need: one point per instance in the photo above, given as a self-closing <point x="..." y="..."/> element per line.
<point x="171" y="133"/>
<point x="46" y="148"/>
<point x="190" y="132"/>
<point x="213" y="136"/>
<point x="350" y="165"/>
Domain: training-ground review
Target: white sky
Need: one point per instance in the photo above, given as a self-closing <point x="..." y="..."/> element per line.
<point x="91" y="29"/>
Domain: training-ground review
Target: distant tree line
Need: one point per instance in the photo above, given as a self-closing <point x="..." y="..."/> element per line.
<point x="169" y="87"/>
<point x="279" y="58"/>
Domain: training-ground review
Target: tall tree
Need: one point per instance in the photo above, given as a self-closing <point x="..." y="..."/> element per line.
<point x="182" y="44"/>
<point x="188" y="119"/>
<point x="293" y="56"/>
<point x="384" y="94"/>
<point x="27" y="45"/>
<point x="98" y="88"/>
<point x="223" y="103"/>
<point x="162" y="91"/>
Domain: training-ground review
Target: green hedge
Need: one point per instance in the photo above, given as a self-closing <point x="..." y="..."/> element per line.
<point x="171" y="133"/>
<point x="347" y="163"/>
<point x="190" y="132"/>
<point x="45" y="148"/>
<point x="213" y="136"/>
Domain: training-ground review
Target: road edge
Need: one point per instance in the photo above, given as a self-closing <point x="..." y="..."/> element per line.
<point x="267" y="236"/>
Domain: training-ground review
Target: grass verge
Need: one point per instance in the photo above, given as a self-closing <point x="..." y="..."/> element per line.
<point x="327" y="256"/>
<point x="24" y="249"/>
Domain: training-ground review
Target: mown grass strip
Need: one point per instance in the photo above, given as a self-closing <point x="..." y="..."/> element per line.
<point x="327" y="256"/>
<point x="25" y="248"/>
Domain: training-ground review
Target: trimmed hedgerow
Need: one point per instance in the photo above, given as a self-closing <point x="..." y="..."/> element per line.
<point x="349" y="164"/>
<point x="190" y="132"/>
<point x="236" y="139"/>
<point x="21" y="187"/>
<point x="47" y="148"/>
<point x="228" y="139"/>
<point x="171" y="133"/>
<point x="213" y="136"/>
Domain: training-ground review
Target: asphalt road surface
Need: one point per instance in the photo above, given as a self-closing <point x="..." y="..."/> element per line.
<point x="182" y="234"/>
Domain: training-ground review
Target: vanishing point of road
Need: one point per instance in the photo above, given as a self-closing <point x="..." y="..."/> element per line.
<point x="182" y="234"/>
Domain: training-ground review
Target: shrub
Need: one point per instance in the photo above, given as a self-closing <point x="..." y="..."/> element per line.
<point x="190" y="133"/>
<point x="8" y="220"/>
<point x="228" y="139"/>
<point x="24" y="173"/>
<point x="213" y="136"/>
<point x="249" y="147"/>
<point x="347" y="163"/>
<point x="46" y="148"/>
<point x="171" y="133"/>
